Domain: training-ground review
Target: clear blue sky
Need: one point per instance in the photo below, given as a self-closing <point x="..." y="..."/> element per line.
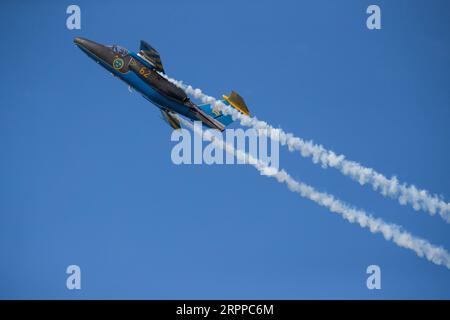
<point x="86" y="176"/>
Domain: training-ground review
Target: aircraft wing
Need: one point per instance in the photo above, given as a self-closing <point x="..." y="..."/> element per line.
<point x="151" y="55"/>
<point x="170" y="120"/>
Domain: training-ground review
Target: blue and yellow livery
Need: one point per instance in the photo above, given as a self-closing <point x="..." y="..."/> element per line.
<point x="142" y="71"/>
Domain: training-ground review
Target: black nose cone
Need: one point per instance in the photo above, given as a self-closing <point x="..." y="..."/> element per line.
<point x="78" y="41"/>
<point x="87" y="44"/>
<point x="94" y="49"/>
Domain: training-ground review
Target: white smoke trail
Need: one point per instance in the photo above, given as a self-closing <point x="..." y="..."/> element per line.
<point x="404" y="193"/>
<point x="392" y="232"/>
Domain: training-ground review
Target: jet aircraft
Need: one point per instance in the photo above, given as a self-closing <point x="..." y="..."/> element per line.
<point x="143" y="71"/>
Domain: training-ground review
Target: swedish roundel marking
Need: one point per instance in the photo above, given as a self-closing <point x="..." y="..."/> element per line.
<point x="118" y="63"/>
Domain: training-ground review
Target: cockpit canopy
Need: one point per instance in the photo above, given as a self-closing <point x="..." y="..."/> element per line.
<point x="118" y="49"/>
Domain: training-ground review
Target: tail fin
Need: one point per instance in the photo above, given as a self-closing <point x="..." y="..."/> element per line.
<point x="237" y="102"/>
<point x="234" y="100"/>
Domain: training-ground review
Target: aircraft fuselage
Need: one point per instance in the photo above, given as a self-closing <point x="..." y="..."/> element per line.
<point x="140" y="75"/>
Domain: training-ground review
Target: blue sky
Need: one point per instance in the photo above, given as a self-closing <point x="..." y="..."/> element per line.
<point x="87" y="179"/>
